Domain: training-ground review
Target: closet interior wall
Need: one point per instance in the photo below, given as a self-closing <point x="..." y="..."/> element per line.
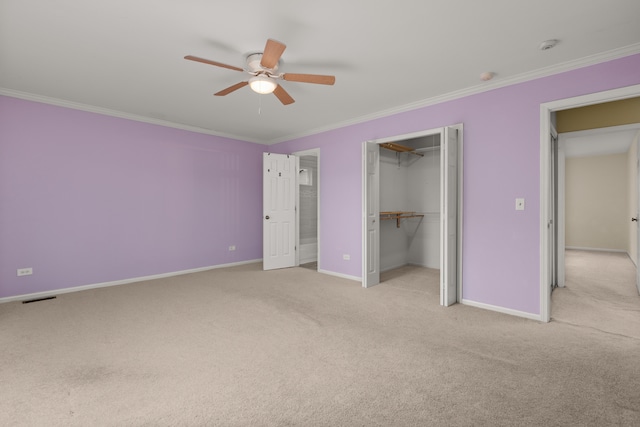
<point x="411" y="183"/>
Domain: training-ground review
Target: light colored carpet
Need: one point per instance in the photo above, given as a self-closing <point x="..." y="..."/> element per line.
<point x="600" y="292"/>
<point x="243" y="347"/>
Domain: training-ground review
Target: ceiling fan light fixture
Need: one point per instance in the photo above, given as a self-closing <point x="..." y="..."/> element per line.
<point x="262" y="84"/>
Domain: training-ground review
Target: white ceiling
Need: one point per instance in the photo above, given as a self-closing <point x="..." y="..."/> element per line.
<point x="599" y="142"/>
<point x="125" y="57"/>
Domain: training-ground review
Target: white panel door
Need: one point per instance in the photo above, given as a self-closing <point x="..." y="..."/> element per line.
<point x="371" y="209"/>
<point x="279" y="211"/>
<point x="449" y="217"/>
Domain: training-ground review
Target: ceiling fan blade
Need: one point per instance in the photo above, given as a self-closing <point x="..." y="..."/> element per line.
<point x="283" y="95"/>
<point x="309" y="78"/>
<point x="207" y="61"/>
<point x="272" y="53"/>
<point x="230" y="89"/>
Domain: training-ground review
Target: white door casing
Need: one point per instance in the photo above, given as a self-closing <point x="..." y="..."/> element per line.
<point x="296" y="239"/>
<point x="560" y="241"/>
<point x="449" y="217"/>
<point x="371" y="204"/>
<point x="279" y="211"/>
<point x="552" y="224"/>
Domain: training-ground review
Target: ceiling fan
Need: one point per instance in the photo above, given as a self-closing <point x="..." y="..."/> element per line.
<point x="263" y="68"/>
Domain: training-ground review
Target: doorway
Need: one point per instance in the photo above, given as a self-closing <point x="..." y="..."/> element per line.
<point x="411" y="207"/>
<point x="548" y="202"/>
<point x="596" y="285"/>
<point x="308" y="211"/>
<point x="291" y="209"/>
<point x="598" y="196"/>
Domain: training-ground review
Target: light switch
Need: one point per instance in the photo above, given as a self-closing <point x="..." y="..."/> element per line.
<point x="519" y="204"/>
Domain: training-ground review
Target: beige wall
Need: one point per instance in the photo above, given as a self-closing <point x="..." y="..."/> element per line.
<point x="596" y="202"/>
<point x="632" y="186"/>
<point x="616" y="113"/>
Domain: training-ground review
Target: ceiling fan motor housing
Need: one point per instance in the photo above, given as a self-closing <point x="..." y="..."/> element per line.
<point x="253" y="63"/>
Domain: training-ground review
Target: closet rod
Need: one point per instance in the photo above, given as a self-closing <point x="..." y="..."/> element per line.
<point x="398" y="215"/>
<point x="433" y="148"/>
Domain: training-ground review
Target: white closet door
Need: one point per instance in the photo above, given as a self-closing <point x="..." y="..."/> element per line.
<point x="371" y="208"/>
<point x="279" y="211"/>
<point x="449" y="217"/>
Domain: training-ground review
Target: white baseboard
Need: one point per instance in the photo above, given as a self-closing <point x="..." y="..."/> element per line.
<point x="579" y="248"/>
<point x="344" y="276"/>
<point x="432" y="267"/>
<point x="415" y="264"/>
<point x="518" y="313"/>
<point x="46" y="294"/>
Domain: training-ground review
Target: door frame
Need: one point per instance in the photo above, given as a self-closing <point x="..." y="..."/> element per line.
<point x="440" y="130"/>
<point x="545" y="175"/>
<point x="298" y="154"/>
<point x="560" y="242"/>
<point x="554" y="223"/>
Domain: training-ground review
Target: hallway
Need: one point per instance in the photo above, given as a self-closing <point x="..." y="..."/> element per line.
<point x="600" y="293"/>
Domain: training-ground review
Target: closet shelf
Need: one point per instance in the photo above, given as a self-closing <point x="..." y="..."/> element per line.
<point x="393" y="146"/>
<point x="398" y="215"/>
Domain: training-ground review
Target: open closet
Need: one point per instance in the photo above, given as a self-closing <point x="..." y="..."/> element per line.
<point x="410" y="203"/>
<point x="412" y="206"/>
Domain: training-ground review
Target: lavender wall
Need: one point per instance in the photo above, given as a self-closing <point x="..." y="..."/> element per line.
<point x="87" y="198"/>
<point x="501" y="162"/>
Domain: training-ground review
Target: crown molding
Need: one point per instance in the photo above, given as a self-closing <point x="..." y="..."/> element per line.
<point x="114" y="113"/>
<point x="498" y="83"/>
<point x="508" y="81"/>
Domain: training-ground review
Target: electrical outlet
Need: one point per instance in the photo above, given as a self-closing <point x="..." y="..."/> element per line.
<point x="346" y="257"/>
<point x="232" y="248"/>
<point x="519" y="204"/>
<point x="25" y="271"/>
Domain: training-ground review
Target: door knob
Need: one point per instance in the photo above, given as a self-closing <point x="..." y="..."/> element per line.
<point x="266" y="217"/>
<point x="634" y="219"/>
